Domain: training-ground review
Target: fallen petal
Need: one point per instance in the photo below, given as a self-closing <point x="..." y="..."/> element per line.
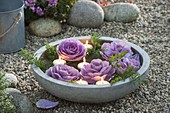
<point x="46" y="104"/>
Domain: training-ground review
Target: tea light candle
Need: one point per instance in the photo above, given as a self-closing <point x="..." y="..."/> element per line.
<point x="88" y="46"/>
<point x="83" y="82"/>
<point x="59" y="61"/>
<point x="81" y="64"/>
<point x="102" y="82"/>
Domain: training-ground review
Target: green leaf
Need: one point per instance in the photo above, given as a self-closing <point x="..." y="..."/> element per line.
<point x="119" y="78"/>
<point x="32" y="60"/>
<point x="96" y="41"/>
<point x="95" y="51"/>
<point x="120" y="55"/>
<point x="51" y="52"/>
<point x="115" y="59"/>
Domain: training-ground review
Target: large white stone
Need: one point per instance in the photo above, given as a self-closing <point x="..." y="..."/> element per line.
<point x="45" y="27"/>
<point x="86" y="13"/>
<point x="121" y="12"/>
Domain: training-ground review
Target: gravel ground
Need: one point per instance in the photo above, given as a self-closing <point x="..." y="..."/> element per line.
<point x="151" y="31"/>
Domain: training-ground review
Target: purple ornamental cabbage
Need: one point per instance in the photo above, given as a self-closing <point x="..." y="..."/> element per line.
<point x="129" y="60"/>
<point x="71" y="50"/>
<point x="97" y="69"/>
<point x="113" y="48"/>
<point x="63" y="72"/>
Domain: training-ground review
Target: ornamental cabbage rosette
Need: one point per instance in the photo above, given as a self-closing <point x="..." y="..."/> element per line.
<point x="128" y="61"/>
<point x="71" y="50"/>
<point x="63" y="72"/>
<point x="114" y="48"/>
<point x="96" y="69"/>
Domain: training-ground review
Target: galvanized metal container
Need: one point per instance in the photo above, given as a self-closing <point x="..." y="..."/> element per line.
<point x="12" y="28"/>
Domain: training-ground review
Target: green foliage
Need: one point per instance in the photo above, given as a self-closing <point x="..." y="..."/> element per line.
<point x="29" y="16"/>
<point x="50" y="55"/>
<point x="116" y="80"/>
<point x="63" y="8"/>
<point x="115" y="59"/>
<point x="59" y="12"/>
<point x="5" y="101"/>
<point x="97" y="43"/>
<point x="32" y="60"/>
<point x="129" y="72"/>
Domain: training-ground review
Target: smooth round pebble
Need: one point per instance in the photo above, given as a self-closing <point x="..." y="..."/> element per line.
<point x="86" y="13"/>
<point x="11" y="79"/>
<point x="121" y="12"/>
<point x="45" y="27"/>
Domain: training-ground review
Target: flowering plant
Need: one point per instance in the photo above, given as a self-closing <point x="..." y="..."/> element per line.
<point x="57" y="9"/>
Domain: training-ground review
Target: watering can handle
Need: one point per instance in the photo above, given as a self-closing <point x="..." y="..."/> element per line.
<point x="17" y="19"/>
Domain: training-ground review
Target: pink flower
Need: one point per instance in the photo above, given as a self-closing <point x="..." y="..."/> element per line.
<point x="52" y="3"/>
<point x="39" y="11"/>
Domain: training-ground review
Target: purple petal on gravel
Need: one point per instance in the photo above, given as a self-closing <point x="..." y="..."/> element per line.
<point x="46" y="104"/>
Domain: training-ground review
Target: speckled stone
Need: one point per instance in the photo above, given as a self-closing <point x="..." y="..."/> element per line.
<point x="86" y="13"/>
<point x="45" y="27"/>
<point x="121" y="12"/>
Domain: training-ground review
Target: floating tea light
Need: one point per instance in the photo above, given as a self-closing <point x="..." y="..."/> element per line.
<point x="81" y="64"/>
<point x="88" y="46"/>
<point x="59" y="61"/>
<point x="83" y="82"/>
<point x="102" y="82"/>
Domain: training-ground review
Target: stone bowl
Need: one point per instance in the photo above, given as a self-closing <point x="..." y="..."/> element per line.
<point x="91" y="93"/>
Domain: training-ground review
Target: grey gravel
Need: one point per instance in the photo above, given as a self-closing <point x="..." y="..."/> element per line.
<point x="150" y="31"/>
